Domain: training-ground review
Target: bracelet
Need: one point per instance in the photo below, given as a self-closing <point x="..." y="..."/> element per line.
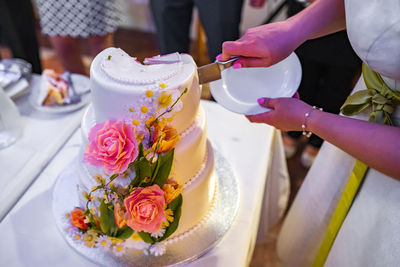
<point x="304" y="125"/>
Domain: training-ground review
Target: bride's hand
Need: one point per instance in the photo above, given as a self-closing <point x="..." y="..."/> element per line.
<point x="287" y="114"/>
<point x="262" y="46"/>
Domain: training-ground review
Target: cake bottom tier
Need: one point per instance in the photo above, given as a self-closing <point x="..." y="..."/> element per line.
<point x="198" y="195"/>
<point x="198" y="192"/>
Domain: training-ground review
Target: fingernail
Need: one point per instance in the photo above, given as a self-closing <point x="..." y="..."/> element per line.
<point x="237" y="66"/>
<point x="218" y="57"/>
<point x="261" y="100"/>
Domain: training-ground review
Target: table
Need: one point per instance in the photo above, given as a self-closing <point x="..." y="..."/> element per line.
<point x="29" y="236"/>
<point x="43" y="135"/>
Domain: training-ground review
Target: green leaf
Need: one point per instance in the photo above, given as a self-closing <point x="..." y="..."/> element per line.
<point x="165" y="168"/>
<point x="107" y="223"/>
<point x="176" y="207"/>
<point x="141" y="150"/>
<point x="112" y="177"/>
<point x="155" y="167"/>
<point x="140" y="155"/>
<point x="124" y="233"/>
<point x="146" y="237"/>
<point x="142" y="170"/>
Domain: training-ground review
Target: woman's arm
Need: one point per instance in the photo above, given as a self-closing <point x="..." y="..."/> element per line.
<point x="268" y="44"/>
<point x="376" y="145"/>
<point x="321" y="18"/>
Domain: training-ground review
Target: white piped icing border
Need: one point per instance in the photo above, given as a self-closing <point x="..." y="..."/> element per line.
<point x="199" y="224"/>
<point x="191" y="127"/>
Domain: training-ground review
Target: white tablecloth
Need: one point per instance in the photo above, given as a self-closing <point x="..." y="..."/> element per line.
<point x="43" y="135"/>
<point x="29" y="236"/>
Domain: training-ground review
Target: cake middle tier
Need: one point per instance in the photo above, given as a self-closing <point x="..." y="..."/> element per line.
<point x="190" y="151"/>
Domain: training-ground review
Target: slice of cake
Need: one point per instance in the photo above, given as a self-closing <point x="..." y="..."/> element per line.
<point x="54" y="88"/>
<point x="146" y="174"/>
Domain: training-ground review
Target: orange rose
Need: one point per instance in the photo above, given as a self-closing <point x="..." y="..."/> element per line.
<point x="145" y="208"/>
<point x="166" y="137"/>
<point x="78" y="219"/>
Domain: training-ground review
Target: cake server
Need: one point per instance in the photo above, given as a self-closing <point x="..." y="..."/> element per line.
<point x="212" y="72"/>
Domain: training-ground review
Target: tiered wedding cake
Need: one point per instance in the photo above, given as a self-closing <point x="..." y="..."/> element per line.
<point x="147" y="171"/>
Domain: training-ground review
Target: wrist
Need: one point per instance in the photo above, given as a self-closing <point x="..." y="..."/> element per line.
<point x="309" y="120"/>
<point x="297" y="30"/>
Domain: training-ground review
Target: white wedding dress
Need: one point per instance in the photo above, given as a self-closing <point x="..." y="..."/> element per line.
<point x="370" y="234"/>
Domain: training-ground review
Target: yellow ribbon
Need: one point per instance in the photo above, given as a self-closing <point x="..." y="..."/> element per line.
<point x="383" y="102"/>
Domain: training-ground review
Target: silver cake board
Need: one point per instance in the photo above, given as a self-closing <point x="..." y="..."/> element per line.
<point x="187" y="249"/>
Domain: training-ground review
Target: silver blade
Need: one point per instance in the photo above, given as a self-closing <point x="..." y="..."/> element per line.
<point x="209" y="73"/>
<point x="212" y="72"/>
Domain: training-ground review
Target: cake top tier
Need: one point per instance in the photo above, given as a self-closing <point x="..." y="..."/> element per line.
<point x="124" y="89"/>
<point x="122" y="68"/>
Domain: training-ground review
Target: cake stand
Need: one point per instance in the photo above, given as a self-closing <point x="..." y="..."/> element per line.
<point x="187" y="247"/>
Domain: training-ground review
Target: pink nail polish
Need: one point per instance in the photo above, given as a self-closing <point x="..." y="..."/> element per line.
<point x="237" y="66"/>
<point x="260" y="100"/>
<point x="218" y="57"/>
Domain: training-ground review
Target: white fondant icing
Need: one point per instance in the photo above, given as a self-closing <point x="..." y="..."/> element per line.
<point x="123" y="68"/>
<point x="119" y="87"/>
<point x="113" y="97"/>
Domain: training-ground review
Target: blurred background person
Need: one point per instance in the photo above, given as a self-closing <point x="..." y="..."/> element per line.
<point x="17" y="32"/>
<point x="67" y="22"/>
<point x="219" y="18"/>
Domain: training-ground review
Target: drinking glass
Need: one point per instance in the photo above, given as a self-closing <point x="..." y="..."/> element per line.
<point x="10" y="121"/>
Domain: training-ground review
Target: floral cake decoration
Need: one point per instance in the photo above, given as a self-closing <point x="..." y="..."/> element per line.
<point x="147" y="210"/>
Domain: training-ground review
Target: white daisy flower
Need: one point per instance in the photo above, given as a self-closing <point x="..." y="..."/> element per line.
<point x="165" y="99"/>
<point x="90" y="238"/>
<point x="158" y="249"/>
<point x="119" y="249"/>
<point x="75" y="234"/>
<point x="149" y="95"/>
<point x="103" y="242"/>
<point x="159" y="233"/>
<point x="72" y="231"/>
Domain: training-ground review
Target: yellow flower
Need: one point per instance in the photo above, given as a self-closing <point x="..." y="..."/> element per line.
<point x="135" y="122"/>
<point x="115" y="240"/>
<point x="144" y="109"/>
<point x="135" y="236"/>
<point x="169" y="217"/>
<point x="99" y="179"/>
<point x="164" y="99"/>
<point x="150" y="120"/>
<point x="131" y="109"/>
<point x="149" y="93"/>
<point x="163" y="85"/>
<point x="171" y="190"/>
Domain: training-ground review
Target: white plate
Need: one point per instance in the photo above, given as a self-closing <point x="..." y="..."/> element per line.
<point x="81" y="85"/>
<point x="239" y="89"/>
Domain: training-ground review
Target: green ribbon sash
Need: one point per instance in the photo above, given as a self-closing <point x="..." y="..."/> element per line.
<point x="378" y="96"/>
<point x="383" y="102"/>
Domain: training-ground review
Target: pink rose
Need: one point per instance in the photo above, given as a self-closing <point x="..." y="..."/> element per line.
<point x="112" y="146"/>
<point x="145" y="207"/>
